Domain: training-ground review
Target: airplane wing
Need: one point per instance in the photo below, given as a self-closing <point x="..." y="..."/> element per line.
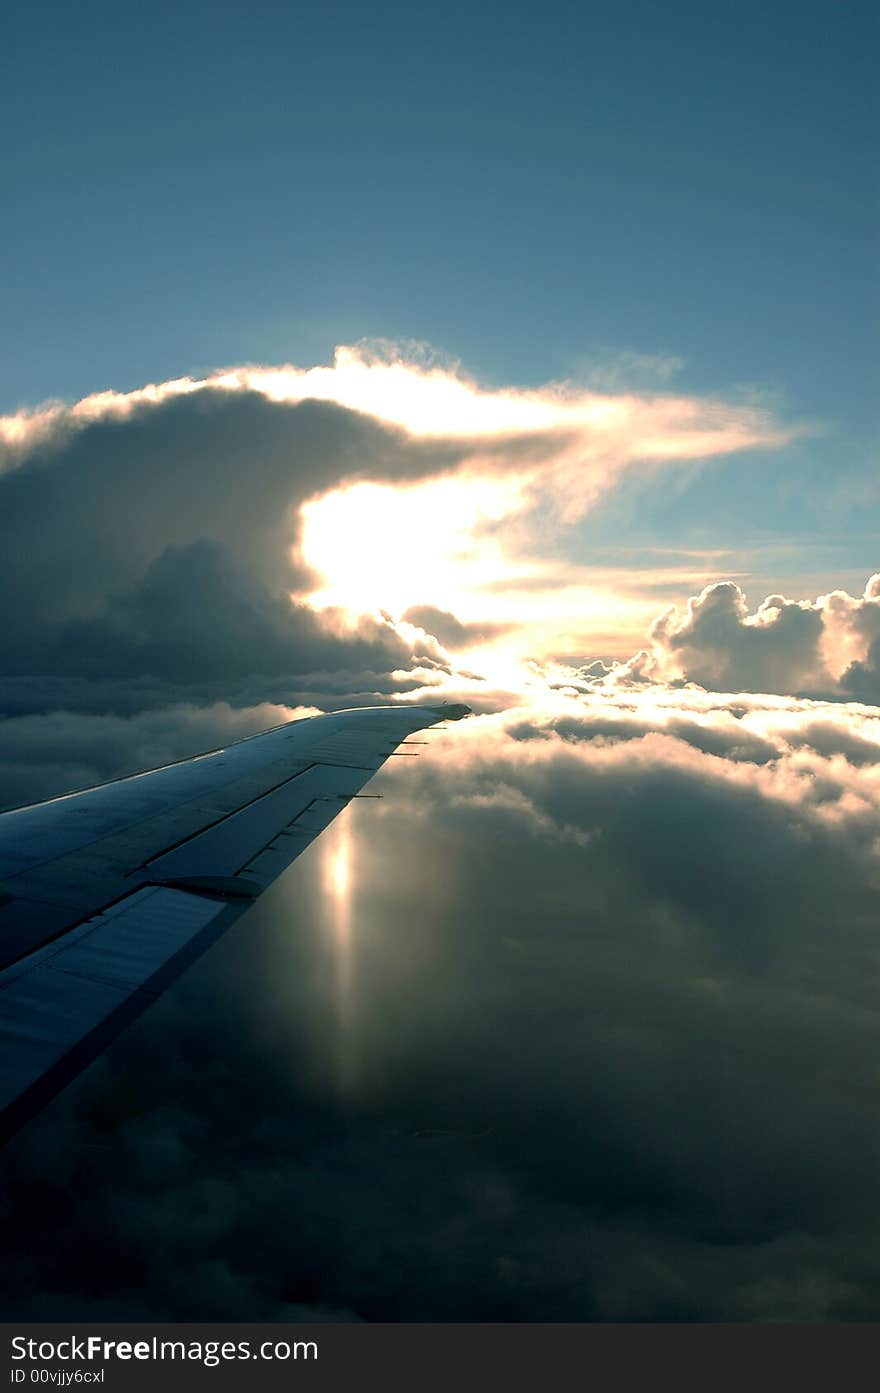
<point x="108" y="894"/>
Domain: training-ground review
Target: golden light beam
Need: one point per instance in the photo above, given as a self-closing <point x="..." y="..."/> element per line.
<point x="337" y="868"/>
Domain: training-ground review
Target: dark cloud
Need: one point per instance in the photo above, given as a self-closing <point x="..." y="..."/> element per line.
<point x="604" y="1050"/>
<point x="197" y="617"/>
<point x="155" y="550"/>
<point x="717" y="646"/>
<point x="862" y="618"/>
<point x="46" y="754"/>
<point x="607" y="725"/>
<point x="862" y="679"/>
<point x="449" y="629"/>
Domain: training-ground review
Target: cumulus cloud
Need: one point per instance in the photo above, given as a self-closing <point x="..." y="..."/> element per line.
<point x="156" y="540"/>
<point x="607" y="1054"/>
<point x="448" y="629"/>
<point x="154" y="551"/>
<point x="854" y="627"/>
<point x="828" y="646"/>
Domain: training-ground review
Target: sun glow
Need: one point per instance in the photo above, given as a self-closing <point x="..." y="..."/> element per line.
<point x="337" y="869"/>
<point x="337" y="883"/>
<point x="454" y="544"/>
<point x="440" y="402"/>
<point x="338" y="874"/>
<point x="384" y="547"/>
<point x="481" y="538"/>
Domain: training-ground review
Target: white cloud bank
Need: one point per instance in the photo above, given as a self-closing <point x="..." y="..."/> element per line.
<point x="580" y="439"/>
<point x="829" y="646"/>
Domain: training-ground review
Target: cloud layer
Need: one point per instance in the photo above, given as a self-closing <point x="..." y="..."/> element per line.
<point x="606" y="1048"/>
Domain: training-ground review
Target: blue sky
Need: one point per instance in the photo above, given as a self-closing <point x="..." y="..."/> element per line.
<point x="522" y="185"/>
<point x="534" y="189"/>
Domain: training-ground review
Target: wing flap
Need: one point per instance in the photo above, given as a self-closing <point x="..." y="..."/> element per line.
<point x="60" y="1006"/>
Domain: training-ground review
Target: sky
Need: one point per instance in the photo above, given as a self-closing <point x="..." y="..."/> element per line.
<point x="522" y="357"/>
<point x="207" y="185"/>
<point x="630" y="192"/>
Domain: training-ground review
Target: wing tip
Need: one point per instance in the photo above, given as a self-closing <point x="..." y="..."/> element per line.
<point x="454" y="711"/>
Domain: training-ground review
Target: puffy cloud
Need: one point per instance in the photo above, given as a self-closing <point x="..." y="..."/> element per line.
<point x="197" y="616"/>
<point x="87" y="518"/>
<point x="829" y="646"/>
<point x="153" y="552"/>
<point x="448" y="629"/>
<point x="721" y="646"/>
<point x="854" y="625"/>
<point x="155" y="540"/>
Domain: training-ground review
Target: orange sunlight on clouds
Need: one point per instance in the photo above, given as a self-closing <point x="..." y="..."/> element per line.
<point x="483" y="540"/>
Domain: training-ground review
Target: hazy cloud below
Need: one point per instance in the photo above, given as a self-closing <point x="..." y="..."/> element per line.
<point x="589" y="1036"/>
